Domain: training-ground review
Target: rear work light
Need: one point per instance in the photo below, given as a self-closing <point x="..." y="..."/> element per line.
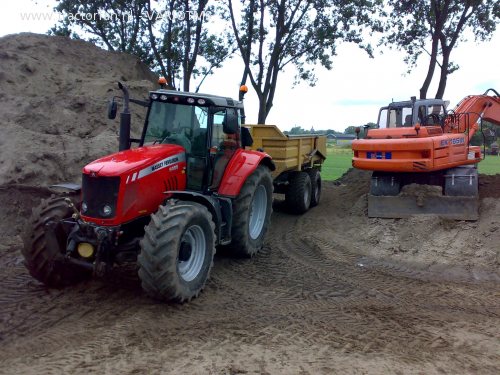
<point x="426" y="154"/>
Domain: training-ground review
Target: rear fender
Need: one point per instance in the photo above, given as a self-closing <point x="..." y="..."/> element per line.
<point x="242" y="165"/>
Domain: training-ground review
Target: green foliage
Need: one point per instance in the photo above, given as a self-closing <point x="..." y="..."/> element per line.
<point x="172" y="38"/>
<point x="489" y="134"/>
<point x="275" y="34"/>
<point x="114" y="24"/>
<point x="412" y="24"/>
<point x="350" y="130"/>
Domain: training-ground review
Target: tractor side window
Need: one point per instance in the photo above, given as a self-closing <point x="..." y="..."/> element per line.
<point x="217" y="132"/>
<point x="199" y="136"/>
<point x="223" y="146"/>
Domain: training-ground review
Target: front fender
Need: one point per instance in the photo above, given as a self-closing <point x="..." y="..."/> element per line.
<point x="242" y="164"/>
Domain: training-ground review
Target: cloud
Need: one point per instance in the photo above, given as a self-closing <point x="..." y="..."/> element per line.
<point x="360" y="102"/>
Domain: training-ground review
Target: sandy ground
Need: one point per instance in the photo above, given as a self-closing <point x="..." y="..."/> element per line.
<point x="331" y="292"/>
<point x="313" y="301"/>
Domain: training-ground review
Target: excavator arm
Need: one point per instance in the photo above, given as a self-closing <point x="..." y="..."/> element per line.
<point x="471" y="110"/>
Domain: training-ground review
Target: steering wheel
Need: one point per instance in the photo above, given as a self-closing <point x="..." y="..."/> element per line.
<point x="178" y="139"/>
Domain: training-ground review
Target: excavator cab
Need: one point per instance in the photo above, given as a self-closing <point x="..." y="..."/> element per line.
<point x="426" y="112"/>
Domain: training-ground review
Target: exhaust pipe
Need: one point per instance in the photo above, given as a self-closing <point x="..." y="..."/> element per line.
<point x="124" y="119"/>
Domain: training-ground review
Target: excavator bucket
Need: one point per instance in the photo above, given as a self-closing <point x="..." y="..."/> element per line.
<point x="457" y="198"/>
<point x="455" y="208"/>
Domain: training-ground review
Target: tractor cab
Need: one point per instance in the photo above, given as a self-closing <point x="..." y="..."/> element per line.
<point x="207" y="127"/>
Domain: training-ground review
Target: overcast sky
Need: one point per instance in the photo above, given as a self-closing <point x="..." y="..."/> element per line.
<point x="349" y="94"/>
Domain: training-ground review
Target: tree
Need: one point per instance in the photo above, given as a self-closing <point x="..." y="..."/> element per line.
<point x="296" y="130"/>
<point x="413" y="24"/>
<point x="114" y="24"/>
<point x="273" y="34"/>
<point x="170" y="37"/>
<point x="350" y="130"/>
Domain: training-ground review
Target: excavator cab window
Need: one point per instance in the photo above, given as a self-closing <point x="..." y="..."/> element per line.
<point x="382" y="118"/>
<point x="431" y="115"/>
<point x="394" y="117"/>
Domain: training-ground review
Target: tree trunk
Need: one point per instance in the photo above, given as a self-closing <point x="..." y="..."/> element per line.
<point x="152" y="41"/>
<point x="444" y="73"/>
<point x="431" y="69"/>
<point x="262" y="110"/>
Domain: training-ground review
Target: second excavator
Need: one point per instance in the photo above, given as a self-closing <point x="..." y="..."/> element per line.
<point x="420" y="142"/>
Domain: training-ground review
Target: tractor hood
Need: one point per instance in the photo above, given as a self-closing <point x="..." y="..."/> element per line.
<point x="138" y="159"/>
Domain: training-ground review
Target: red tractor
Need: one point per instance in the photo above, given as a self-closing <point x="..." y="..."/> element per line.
<point x="190" y="186"/>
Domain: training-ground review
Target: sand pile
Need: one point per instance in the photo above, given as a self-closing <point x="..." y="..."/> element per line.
<point x="53" y="101"/>
<point x="425" y="239"/>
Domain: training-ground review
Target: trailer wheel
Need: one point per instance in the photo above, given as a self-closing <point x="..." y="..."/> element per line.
<point x="177" y="251"/>
<point x="44" y="247"/>
<point x="298" y="196"/>
<point x="315" y="177"/>
<point x="252" y="213"/>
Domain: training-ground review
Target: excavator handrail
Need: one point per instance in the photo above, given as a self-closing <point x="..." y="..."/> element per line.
<point x="490" y="89"/>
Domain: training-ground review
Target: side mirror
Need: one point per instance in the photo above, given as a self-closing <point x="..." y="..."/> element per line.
<point x="112" y="109"/>
<point x="230" y="121"/>
<point x="246" y="137"/>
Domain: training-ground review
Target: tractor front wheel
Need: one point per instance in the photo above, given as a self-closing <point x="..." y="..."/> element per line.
<point x="177" y="251"/>
<point x="45" y="244"/>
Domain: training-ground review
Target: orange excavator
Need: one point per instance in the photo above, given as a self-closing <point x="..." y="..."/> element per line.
<point x="420" y="142"/>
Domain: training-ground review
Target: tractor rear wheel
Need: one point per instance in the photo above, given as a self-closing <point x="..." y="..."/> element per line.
<point x="252" y="213"/>
<point x="177" y="251"/>
<point x="315" y="177"/>
<point x="298" y="196"/>
<point x="45" y="244"/>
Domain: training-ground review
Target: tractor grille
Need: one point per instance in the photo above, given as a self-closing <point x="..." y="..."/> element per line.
<point x="98" y="192"/>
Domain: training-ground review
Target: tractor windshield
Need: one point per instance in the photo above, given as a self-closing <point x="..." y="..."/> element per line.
<point x="184" y="125"/>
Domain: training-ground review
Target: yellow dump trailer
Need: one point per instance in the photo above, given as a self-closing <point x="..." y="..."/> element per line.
<point x="298" y="162"/>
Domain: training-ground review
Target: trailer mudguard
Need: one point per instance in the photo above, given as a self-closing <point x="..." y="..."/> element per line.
<point x="242" y="164"/>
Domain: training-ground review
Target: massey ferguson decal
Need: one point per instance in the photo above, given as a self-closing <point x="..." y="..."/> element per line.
<point x="178" y="158"/>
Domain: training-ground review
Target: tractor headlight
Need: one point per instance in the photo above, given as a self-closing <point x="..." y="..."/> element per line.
<point x="107" y="210"/>
<point x="84" y="207"/>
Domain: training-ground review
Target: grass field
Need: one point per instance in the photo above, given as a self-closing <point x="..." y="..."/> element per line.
<point x="339" y="160"/>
